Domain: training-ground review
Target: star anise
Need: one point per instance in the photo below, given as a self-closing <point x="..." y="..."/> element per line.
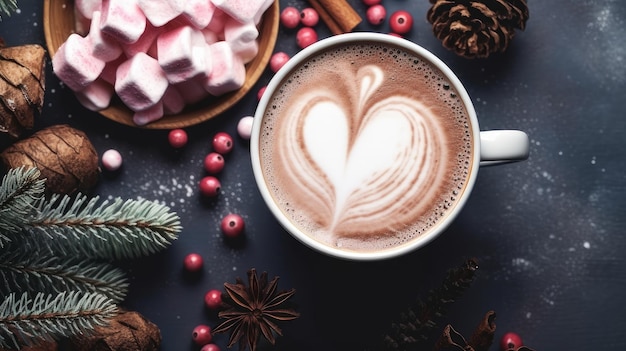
<point x="254" y="310"/>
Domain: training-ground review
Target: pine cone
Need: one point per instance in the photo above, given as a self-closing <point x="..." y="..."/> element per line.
<point x="128" y="331"/>
<point x="65" y="156"/>
<point x="22" y="87"/>
<point x="476" y="29"/>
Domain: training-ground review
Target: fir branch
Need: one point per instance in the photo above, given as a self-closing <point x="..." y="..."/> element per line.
<point x="20" y="190"/>
<point x="117" y="230"/>
<point x="25" y="321"/>
<point x="33" y="273"/>
<point x="416" y="324"/>
<point x="7" y="7"/>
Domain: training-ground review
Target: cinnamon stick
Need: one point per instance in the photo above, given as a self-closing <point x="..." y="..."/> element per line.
<point x="338" y="15"/>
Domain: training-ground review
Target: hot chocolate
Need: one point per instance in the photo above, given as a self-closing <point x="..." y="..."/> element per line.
<point x="366" y="146"/>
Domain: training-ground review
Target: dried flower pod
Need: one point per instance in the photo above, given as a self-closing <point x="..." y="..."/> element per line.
<point x="476" y="29"/>
<point x="128" y="331"/>
<point x="63" y="155"/>
<point x="22" y="87"/>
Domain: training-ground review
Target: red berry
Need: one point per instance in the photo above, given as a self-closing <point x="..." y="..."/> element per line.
<point x="401" y="22"/>
<point x="177" y="138"/>
<point x="209" y="186"/>
<point x="202" y="334"/>
<point x="222" y="143"/>
<point x="306" y="36"/>
<point x="232" y="225"/>
<point x="290" y="17"/>
<point x="371" y="2"/>
<point x="214" y="163"/>
<point x="395" y="35"/>
<point x="376" y="14"/>
<point x="309" y="17"/>
<point x="213" y="299"/>
<point x="259" y="94"/>
<point x="510" y="341"/>
<point x="193" y="262"/>
<point x="210" y="347"/>
<point x="278" y="60"/>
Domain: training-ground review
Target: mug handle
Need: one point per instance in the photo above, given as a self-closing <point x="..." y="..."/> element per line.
<point x="503" y="146"/>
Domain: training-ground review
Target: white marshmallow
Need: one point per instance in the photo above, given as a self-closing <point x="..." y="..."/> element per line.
<point x="103" y="46"/>
<point x="87" y="7"/>
<point x="239" y="34"/>
<point x="162" y="11"/>
<point x="199" y="12"/>
<point x="228" y="71"/>
<point x="217" y="22"/>
<point x="248" y="51"/>
<point x="181" y="53"/>
<point x="192" y="90"/>
<point x="242" y="39"/>
<point x="242" y="10"/>
<point x="75" y="64"/>
<point x="123" y="20"/>
<point x="96" y="96"/>
<point x="141" y="118"/>
<point x="173" y="102"/>
<point x="140" y="82"/>
<point x="145" y="42"/>
<point x="259" y="15"/>
<point x="81" y="23"/>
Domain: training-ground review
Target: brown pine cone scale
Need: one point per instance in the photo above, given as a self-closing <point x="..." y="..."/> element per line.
<point x="477" y="28"/>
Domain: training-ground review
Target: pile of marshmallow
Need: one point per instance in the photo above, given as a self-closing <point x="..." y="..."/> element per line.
<point x="158" y="55"/>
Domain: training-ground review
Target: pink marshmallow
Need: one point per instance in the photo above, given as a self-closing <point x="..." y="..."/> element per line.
<point x="87" y="7"/>
<point x="242" y="10"/>
<point x="247" y="52"/>
<point x="103" y="46"/>
<point x="96" y="96"/>
<point x="81" y="23"/>
<point x="228" y="71"/>
<point x="173" y="102"/>
<point x="140" y="82"/>
<point x="199" y="12"/>
<point x="192" y="90"/>
<point x="145" y="41"/>
<point x="217" y="22"/>
<point x="181" y="53"/>
<point x="153" y="113"/>
<point x="162" y="11"/>
<point x="110" y="70"/>
<point x="74" y="63"/>
<point x="123" y="20"/>
<point x="210" y="36"/>
<point x="259" y="15"/>
<point x="239" y="34"/>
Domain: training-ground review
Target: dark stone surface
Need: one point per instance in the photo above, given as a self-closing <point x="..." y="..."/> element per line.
<point x="547" y="232"/>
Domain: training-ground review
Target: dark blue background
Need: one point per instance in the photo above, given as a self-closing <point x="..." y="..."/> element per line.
<point x="548" y="232"/>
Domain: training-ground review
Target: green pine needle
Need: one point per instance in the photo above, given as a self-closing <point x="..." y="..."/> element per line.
<point x="26" y="320"/>
<point x="33" y="273"/>
<point x="117" y="230"/>
<point x="21" y="189"/>
<point x="7" y="7"/>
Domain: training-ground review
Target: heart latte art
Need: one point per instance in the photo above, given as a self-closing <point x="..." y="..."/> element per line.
<point x="362" y="147"/>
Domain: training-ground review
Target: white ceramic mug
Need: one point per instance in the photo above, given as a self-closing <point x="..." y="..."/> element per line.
<point x="313" y="162"/>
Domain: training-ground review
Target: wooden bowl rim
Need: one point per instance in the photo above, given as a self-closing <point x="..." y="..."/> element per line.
<point x="192" y="114"/>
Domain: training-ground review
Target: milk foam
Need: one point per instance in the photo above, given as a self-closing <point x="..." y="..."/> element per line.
<point x="363" y="157"/>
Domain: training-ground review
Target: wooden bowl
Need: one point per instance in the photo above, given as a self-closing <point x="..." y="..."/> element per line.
<point x="58" y="24"/>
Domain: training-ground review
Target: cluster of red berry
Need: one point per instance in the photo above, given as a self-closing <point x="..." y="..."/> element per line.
<point x="291" y="18"/>
<point x="201" y="334"/>
<point x="400" y="22"/>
